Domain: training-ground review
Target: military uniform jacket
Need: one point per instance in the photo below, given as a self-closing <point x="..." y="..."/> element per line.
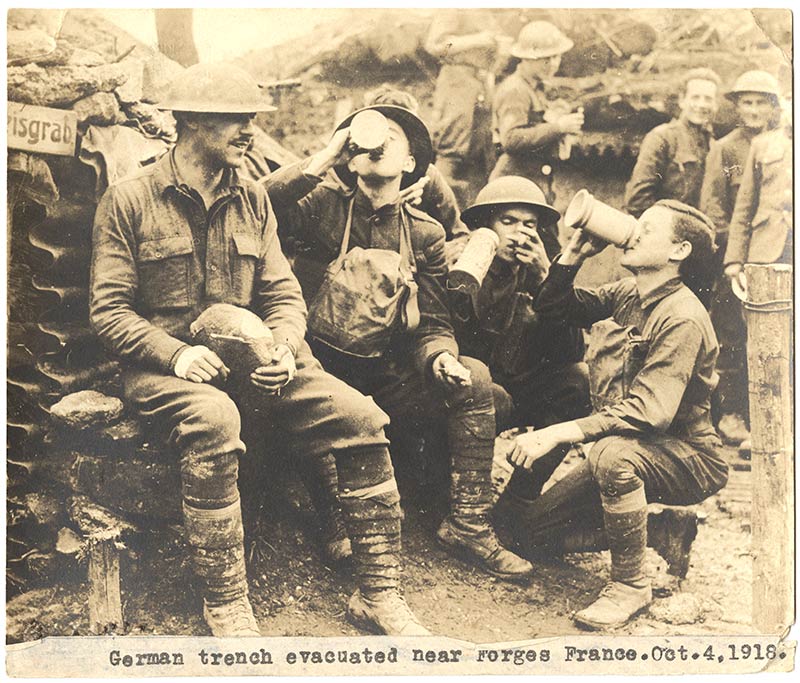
<point x="315" y="213"/>
<point x="160" y="258"/>
<point x="527" y="140"/>
<point x="761" y="227"/>
<point x="670" y="165"/>
<point x="724" y="170"/>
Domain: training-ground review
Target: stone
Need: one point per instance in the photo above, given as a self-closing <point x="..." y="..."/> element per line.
<point x="28" y="44"/>
<point x="87" y="408"/>
<point x="69" y="542"/>
<point x="61" y="85"/>
<point x="679" y="608"/>
<point x="100" y="109"/>
<point x="131" y="90"/>
<point x="67" y="54"/>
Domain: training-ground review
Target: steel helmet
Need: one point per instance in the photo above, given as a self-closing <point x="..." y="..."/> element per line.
<point x="540" y="39"/>
<point x="510" y="189"/>
<point x="215" y="88"/>
<point x="419" y="141"/>
<point x="755" y="81"/>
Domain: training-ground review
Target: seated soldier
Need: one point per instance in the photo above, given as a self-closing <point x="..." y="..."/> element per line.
<point x="653" y="355"/>
<point x="379" y="318"/>
<point x="182" y="235"/>
<point x="535" y="362"/>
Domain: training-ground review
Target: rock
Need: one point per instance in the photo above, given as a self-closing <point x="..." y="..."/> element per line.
<point x="68" y="54"/>
<point x="26" y="45"/>
<point x="152" y="120"/>
<point x="69" y="542"/>
<point x="101" y="109"/>
<point x="87" y="408"/>
<point x="131" y="90"/>
<point x="680" y="608"/>
<point x="61" y="85"/>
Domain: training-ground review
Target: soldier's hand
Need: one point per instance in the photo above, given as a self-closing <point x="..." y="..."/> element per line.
<point x="447" y="370"/>
<point x="529" y="250"/>
<point x="273" y="377"/>
<point x="581" y="246"/>
<point x="413" y="193"/>
<point x="200" y="364"/>
<point x="335" y="153"/>
<point x="570" y="123"/>
<point x="531" y="446"/>
<point x="735" y="273"/>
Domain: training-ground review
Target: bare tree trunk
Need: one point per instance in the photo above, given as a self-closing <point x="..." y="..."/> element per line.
<point x="175" y="36"/>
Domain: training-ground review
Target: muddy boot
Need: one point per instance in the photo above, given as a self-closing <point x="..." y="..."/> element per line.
<point x="625" y="518"/>
<point x="384" y="612"/>
<point x="216" y="542"/>
<point x="476" y="540"/>
<point x="371" y="506"/>
<point x="617" y="604"/>
<point x="322" y="483"/>
<point x="467" y="529"/>
<point x="671" y="532"/>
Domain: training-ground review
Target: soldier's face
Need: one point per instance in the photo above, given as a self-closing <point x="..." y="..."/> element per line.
<point x="655" y="244"/>
<point x="224" y="138"/>
<point x="391" y="161"/>
<point x="699" y="102"/>
<point x="754" y="109"/>
<point x="506" y="221"/>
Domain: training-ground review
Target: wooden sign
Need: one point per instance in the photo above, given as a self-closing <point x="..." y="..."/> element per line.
<point x="42" y="129"/>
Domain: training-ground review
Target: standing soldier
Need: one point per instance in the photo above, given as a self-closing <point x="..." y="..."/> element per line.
<point x="467" y="43"/>
<point x="188" y="232"/>
<point x="755" y="95"/>
<point x="528" y="127"/>
<point x="379" y="317"/>
<point x="672" y="157"/>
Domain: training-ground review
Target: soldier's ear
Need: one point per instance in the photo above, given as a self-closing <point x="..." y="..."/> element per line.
<point x="410" y="164"/>
<point x="681" y="251"/>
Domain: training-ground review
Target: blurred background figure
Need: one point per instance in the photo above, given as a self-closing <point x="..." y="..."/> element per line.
<point x="468" y="45"/>
<point x="755" y="97"/>
<point x="531" y="130"/>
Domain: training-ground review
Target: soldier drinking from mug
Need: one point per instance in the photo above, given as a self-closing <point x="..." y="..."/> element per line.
<point x="378" y="315"/>
<point x="652" y="374"/>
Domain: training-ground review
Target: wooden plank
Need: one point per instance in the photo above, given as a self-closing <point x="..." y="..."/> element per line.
<point x="769" y="352"/>
<point x="105" y="603"/>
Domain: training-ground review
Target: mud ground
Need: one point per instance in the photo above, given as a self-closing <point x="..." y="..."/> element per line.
<point x="294" y="593"/>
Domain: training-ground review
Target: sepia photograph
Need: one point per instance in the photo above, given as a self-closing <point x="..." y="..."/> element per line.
<point x="399" y="341"/>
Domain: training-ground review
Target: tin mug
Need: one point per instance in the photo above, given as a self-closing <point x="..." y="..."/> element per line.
<point x="468" y="272"/>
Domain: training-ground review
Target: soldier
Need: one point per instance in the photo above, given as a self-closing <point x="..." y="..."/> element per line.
<point x="536" y="363"/>
<point x="526" y="125"/>
<point x="755" y="95"/>
<point x="188" y="232"/>
<point x="379" y="317"/>
<point x="672" y="157"/>
<point x="653" y="373"/>
<point x="467" y="43"/>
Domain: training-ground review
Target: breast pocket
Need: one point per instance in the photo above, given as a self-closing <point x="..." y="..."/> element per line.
<point x="244" y="258"/>
<point x="164" y="268"/>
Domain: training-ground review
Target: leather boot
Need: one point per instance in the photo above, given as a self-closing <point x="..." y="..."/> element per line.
<point x="384" y="612"/>
<point x="467" y="529"/>
<point x="617" y="604"/>
<point x="216" y="542"/>
<point x="321" y="480"/>
<point x="371" y="506"/>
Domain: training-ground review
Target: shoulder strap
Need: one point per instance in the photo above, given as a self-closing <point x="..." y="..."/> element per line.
<point x="410" y="315"/>
<point x="346" y="236"/>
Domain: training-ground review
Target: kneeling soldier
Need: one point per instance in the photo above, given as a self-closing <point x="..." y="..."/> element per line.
<point x="184" y="234"/>
<point x="652" y="352"/>
<point x="379" y="318"/>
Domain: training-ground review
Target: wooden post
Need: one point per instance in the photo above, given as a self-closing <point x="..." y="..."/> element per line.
<point x="769" y="361"/>
<point x="105" y="604"/>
